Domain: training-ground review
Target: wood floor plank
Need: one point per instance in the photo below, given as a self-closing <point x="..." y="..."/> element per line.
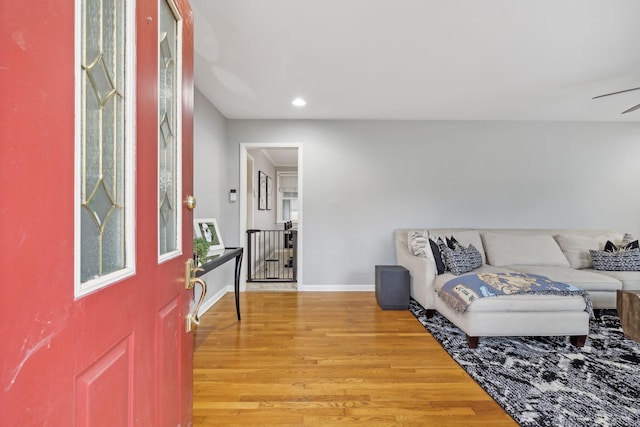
<point x="324" y="358"/>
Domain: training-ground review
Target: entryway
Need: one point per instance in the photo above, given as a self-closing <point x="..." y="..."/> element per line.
<point x="271" y="215"/>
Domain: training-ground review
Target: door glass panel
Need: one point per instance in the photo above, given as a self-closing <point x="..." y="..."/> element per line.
<point x="168" y="135"/>
<point x="103" y="200"/>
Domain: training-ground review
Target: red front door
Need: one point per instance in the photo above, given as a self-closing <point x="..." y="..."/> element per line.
<point x="120" y="355"/>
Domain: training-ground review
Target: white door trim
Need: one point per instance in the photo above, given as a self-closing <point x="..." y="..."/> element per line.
<point x="249" y="206"/>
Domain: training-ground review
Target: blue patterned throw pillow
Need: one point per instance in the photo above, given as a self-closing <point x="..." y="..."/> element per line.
<point x="462" y="260"/>
<point x="628" y="260"/>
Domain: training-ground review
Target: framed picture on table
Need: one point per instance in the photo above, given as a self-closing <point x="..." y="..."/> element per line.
<point x="207" y="228"/>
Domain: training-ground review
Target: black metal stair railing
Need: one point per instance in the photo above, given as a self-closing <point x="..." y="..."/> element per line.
<point x="272" y="255"/>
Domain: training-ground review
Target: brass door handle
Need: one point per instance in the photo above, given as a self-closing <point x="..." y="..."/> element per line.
<point x="190" y="271"/>
<point x="193" y="318"/>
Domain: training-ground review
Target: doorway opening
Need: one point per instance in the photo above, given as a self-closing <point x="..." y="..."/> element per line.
<point x="271" y="205"/>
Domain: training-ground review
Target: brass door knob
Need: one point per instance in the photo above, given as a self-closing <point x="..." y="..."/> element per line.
<point x="190" y="202"/>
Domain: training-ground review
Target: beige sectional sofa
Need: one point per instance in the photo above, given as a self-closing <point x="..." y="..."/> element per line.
<point x="559" y="254"/>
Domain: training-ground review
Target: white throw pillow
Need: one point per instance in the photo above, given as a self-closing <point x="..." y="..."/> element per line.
<point x="529" y="249"/>
<point x="576" y="248"/>
<point x="419" y="244"/>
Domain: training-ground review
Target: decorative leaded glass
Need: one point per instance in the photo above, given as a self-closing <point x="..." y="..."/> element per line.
<point x="168" y="143"/>
<point x="102" y="138"/>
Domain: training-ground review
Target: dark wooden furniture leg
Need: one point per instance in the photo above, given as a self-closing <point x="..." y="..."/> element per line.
<point x="578" y="340"/>
<point x="473" y="341"/>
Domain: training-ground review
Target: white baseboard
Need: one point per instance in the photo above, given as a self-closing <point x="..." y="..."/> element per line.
<point x="337" y="288"/>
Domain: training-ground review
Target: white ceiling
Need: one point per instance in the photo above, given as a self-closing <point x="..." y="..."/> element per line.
<point x="419" y="59"/>
<point x="281" y="157"/>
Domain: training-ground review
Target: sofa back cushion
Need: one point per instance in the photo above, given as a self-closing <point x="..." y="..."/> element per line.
<point x="530" y="249"/>
<point x="576" y="248"/>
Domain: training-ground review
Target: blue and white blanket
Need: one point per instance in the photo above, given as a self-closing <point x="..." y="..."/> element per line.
<point x="460" y="292"/>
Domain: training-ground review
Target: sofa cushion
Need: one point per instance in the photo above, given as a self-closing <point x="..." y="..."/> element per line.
<point x="520" y="303"/>
<point x="626" y="260"/>
<point x="530" y="249"/>
<point x="464" y="237"/>
<point x="576" y="248"/>
<point x="630" y="279"/>
<point x="461" y="260"/>
<point x="584" y="279"/>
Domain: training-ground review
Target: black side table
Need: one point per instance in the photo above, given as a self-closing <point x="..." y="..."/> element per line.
<point x="217" y="260"/>
<point x="393" y="284"/>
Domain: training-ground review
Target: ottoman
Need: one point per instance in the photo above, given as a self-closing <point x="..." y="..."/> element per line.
<point x="517" y="315"/>
<point x="392" y="287"/>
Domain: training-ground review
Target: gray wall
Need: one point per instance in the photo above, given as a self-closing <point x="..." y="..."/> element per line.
<point x="210" y="183"/>
<point x="262" y="219"/>
<point x="362" y="179"/>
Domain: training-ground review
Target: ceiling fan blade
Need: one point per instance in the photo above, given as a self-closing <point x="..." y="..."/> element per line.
<point x="615" y="93"/>
<point x="631" y="109"/>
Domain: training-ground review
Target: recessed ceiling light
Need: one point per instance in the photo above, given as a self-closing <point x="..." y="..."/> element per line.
<point x="299" y="102"/>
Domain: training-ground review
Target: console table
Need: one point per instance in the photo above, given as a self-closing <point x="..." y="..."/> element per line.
<point x="215" y="261"/>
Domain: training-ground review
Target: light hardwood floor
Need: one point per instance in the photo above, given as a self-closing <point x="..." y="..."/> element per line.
<point x="307" y="358"/>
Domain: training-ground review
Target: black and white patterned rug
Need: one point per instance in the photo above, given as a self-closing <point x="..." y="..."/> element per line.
<point x="545" y="381"/>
